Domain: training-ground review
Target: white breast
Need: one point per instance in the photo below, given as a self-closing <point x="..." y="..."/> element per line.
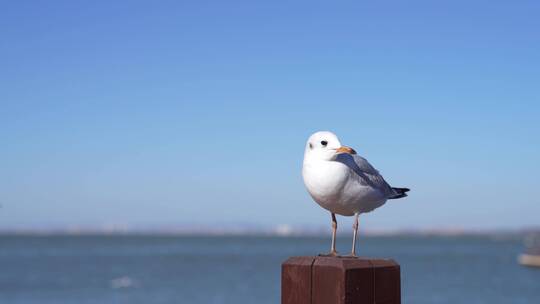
<point x="329" y="183"/>
<point x="325" y="181"/>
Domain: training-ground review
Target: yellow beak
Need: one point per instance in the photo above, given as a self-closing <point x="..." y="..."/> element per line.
<point x="344" y="149"/>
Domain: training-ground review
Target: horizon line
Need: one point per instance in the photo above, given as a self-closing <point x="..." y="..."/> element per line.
<point x="251" y="230"/>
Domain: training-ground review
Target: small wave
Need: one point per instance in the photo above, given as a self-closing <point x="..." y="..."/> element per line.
<point x="122" y="282"/>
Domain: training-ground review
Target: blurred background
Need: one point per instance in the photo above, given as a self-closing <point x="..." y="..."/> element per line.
<point x="152" y="151"/>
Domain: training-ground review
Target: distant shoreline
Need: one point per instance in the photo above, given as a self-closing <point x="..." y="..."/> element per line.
<point x="262" y="232"/>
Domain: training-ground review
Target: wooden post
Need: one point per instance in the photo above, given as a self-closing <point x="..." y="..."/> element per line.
<point x="340" y="280"/>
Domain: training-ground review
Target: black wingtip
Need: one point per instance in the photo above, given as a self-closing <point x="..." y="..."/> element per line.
<point x="400" y="192"/>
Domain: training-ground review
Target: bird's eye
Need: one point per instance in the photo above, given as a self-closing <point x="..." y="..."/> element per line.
<point x="324" y="143"/>
<point x="310" y="146"/>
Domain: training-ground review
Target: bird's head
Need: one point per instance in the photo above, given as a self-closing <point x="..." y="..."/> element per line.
<point x="324" y="145"/>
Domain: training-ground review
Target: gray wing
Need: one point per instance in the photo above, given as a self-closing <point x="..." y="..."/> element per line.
<point x="365" y="173"/>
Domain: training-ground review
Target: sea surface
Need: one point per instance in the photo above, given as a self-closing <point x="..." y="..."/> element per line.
<point x="212" y="270"/>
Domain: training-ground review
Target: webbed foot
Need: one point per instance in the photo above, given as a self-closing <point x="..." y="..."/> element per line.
<point x="330" y="254"/>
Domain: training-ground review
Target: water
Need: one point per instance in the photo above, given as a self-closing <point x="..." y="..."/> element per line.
<point x="172" y="269"/>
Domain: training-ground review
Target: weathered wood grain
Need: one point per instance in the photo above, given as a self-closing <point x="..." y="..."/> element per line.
<point x="296" y="280"/>
<point x="340" y="280"/>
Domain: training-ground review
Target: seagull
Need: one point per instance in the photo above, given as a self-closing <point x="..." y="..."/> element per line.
<point x="343" y="182"/>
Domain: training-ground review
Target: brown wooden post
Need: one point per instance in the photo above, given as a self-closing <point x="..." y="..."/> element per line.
<point x="340" y="280"/>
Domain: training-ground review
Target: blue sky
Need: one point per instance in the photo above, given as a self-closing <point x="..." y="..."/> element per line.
<point x="146" y="113"/>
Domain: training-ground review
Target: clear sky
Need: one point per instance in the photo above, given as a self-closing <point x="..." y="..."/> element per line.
<point x="166" y="112"/>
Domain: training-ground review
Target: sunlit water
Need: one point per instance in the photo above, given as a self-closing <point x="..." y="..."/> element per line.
<point x="162" y="269"/>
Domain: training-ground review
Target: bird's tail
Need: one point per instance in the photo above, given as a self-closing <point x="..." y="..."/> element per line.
<point x="399" y="193"/>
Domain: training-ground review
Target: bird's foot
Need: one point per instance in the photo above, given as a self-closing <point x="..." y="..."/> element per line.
<point x="352" y="255"/>
<point x="332" y="253"/>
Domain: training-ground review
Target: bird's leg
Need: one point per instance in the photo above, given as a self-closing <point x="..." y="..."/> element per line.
<point x="355" y="232"/>
<point x="334" y="232"/>
<point x="333" y="251"/>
